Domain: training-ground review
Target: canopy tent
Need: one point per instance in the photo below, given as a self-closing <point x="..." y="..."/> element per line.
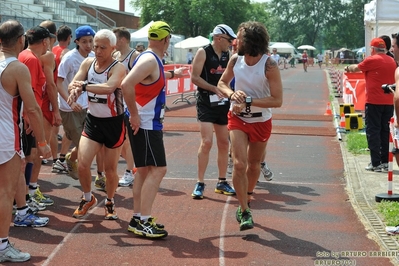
<point x="195" y="42"/>
<point x="380" y="18"/>
<point x="283" y="47"/>
<point x="181" y="48"/>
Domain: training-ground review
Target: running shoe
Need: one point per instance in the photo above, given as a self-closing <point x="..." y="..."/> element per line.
<point x="72" y="167"/>
<point x="60" y="167"/>
<point x="110" y="213"/>
<point x="198" y="192"/>
<point x="134" y="222"/>
<point x="378" y="168"/>
<point x="33" y="204"/>
<point x="12" y="254"/>
<point x="84" y="207"/>
<point x="40" y="198"/>
<point x="224" y="188"/>
<point x="267" y="173"/>
<point x="126" y="180"/>
<point x="149" y="229"/>
<point x="100" y="182"/>
<point x="239" y="214"/>
<point x="246" y="220"/>
<point x="30" y="220"/>
<point x="392" y="230"/>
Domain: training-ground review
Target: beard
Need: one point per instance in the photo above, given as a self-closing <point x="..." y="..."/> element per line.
<point x="240" y="51"/>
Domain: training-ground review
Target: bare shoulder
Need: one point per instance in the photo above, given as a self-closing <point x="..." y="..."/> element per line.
<point x="271" y="65"/>
<point x="47" y="58"/>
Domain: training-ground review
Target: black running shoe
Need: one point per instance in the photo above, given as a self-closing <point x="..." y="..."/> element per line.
<point x="149" y="229"/>
<point x="135" y="220"/>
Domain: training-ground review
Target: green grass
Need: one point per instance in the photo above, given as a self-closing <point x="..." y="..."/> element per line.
<point x="390" y="212"/>
<point x="356" y="142"/>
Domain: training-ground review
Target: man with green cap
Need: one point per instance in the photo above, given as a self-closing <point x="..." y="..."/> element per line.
<point x="144" y="92"/>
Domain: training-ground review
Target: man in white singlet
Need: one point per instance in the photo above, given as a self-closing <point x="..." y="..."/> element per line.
<point x="15" y="85"/>
<point x="258" y="88"/>
<point x="104" y="127"/>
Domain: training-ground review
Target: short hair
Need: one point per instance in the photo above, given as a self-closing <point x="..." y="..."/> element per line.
<point x="106" y="34"/>
<point x="396" y="37"/>
<point x="10" y="31"/>
<point x="387" y="41"/>
<point x="63" y="33"/>
<point x="122" y="32"/>
<point x="50" y="25"/>
<point x="255" y="38"/>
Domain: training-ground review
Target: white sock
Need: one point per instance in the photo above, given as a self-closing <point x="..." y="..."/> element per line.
<point x="3" y="243"/>
<point x="22" y="211"/>
<point x="87" y="196"/>
<point x="144" y="218"/>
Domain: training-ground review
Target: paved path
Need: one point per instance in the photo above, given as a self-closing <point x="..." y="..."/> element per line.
<point x="302" y="217"/>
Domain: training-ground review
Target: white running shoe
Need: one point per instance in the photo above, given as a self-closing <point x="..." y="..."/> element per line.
<point x="126" y="180"/>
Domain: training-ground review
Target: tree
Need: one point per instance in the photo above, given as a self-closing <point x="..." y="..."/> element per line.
<point x="193" y="17"/>
<point x="302" y="22"/>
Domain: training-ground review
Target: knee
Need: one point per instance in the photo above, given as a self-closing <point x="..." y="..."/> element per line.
<point x="206" y="145"/>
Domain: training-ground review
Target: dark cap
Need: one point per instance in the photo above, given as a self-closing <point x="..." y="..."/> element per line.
<point x="38" y="33"/>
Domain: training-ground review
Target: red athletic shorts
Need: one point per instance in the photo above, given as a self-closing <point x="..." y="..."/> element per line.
<point x="259" y="131"/>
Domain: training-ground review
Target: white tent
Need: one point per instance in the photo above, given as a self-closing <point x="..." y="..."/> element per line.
<point x="181" y="48"/>
<point x="380" y="18"/>
<point x="196" y="42"/>
<point x="283" y="47"/>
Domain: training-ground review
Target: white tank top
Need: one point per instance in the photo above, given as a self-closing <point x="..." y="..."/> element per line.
<point x="103" y="105"/>
<point x="252" y="81"/>
<point x="10" y="116"/>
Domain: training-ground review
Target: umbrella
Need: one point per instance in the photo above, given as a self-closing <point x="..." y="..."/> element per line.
<point x="361" y="50"/>
<point x="306" y="47"/>
<point x="343" y="50"/>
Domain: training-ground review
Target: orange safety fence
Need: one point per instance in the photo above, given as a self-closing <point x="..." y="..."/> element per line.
<point x="354" y="90"/>
<point x="182" y="87"/>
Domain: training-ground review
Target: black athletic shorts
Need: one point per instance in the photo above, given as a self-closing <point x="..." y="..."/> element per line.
<point x="148" y="148"/>
<point x="109" y="131"/>
<point x="213" y="114"/>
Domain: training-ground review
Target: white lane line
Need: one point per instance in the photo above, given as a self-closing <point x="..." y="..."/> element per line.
<point x="71" y="233"/>
<point x="223" y="231"/>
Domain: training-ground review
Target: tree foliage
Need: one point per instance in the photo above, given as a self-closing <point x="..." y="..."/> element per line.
<point x="326" y="24"/>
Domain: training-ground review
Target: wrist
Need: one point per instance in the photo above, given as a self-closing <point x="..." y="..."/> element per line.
<point x="42" y="143"/>
<point x="172" y="73"/>
<point x="231" y="95"/>
<point x="84" y="85"/>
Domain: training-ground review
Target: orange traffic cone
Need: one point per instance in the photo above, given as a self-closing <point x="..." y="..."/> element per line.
<point x="328" y="110"/>
<point x="342" y="122"/>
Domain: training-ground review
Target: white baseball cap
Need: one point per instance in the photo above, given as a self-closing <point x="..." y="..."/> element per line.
<point x="224" y="29"/>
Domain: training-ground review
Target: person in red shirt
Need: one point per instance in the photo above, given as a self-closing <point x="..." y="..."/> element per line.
<point x="305" y="60"/>
<point x="378" y="69"/>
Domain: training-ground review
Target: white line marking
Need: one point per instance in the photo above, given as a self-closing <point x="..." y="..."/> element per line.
<point x="222" y="232"/>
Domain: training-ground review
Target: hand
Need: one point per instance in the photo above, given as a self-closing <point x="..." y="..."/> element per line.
<point x="134" y="123"/>
<point x="179" y="72"/>
<point x="76" y="107"/>
<point x="44" y="151"/>
<point x="239" y="96"/>
<point x="57" y="120"/>
<point x="238" y="108"/>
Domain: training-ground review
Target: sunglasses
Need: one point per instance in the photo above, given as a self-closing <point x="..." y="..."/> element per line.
<point x="230" y="40"/>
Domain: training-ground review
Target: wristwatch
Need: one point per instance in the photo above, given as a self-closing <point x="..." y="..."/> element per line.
<point x="248" y="102"/>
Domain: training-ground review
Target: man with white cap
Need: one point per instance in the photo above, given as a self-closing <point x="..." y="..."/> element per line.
<point x="208" y="65"/>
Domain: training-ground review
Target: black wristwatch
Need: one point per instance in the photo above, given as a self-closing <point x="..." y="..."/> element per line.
<point x="84" y="85"/>
<point x="248" y="102"/>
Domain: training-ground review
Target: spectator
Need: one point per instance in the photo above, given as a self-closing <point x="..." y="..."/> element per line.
<point x="378" y="69"/>
<point x="190" y="56"/>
